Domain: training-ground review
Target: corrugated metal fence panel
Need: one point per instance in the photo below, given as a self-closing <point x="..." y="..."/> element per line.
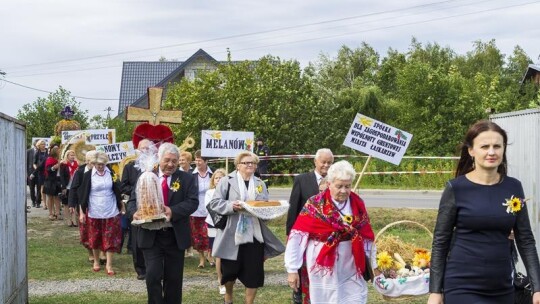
<point x="13" y="274"/>
<point x="523" y="128"/>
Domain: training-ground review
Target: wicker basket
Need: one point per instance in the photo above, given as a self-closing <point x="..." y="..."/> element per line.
<point x="420" y="282"/>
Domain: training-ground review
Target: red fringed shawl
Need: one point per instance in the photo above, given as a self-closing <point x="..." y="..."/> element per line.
<point x="320" y="218"/>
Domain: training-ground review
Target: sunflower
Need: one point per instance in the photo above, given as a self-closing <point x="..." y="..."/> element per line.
<point x="384" y="261"/>
<point x="513" y="205"/>
<point x="348" y="218"/>
<point x="175" y="186"/>
<point x="421" y="259"/>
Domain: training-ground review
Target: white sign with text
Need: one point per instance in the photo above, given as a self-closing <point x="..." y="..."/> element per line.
<point x="225" y="143"/>
<point x="377" y="139"/>
<point x="91" y="137"/>
<point x="117" y="151"/>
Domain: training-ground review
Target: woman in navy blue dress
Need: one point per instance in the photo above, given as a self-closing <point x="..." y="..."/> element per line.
<point x="471" y="258"/>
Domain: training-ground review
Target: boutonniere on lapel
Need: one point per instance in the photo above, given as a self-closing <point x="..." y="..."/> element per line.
<point x="114" y="177"/>
<point x="514" y="204"/>
<point x="175" y="186"/>
<point x="259" y="189"/>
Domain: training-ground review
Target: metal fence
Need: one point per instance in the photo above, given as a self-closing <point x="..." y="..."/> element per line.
<point x="523" y="129"/>
<point x="13" y="267"/>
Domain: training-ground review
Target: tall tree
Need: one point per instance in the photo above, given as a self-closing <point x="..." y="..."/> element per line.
<point x="42" y="115"/>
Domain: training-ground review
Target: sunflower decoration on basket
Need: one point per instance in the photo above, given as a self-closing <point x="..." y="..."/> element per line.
<point x="404" y="267"/>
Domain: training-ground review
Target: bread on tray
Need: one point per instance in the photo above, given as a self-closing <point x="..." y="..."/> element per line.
<point x="263" y="203"/>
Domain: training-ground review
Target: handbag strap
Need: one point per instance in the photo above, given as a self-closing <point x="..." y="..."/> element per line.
<point x="228" y="188"/>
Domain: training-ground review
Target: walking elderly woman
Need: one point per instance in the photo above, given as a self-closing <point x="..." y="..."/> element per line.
<point x="100" y="205"/>
<point x="246" y="241"/>
<point x="334" y="234"/>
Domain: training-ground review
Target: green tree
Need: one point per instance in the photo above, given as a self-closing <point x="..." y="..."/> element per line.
<point x="271" y="97"/>
<point x="42" y="115"/>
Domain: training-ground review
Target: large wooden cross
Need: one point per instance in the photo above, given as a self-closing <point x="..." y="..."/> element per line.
<point x="154" y="115"/>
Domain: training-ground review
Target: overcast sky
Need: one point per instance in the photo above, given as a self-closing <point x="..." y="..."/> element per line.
<point x="80" y="45"/>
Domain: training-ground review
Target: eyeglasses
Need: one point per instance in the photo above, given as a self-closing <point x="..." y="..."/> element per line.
<point x="248" y="163"/>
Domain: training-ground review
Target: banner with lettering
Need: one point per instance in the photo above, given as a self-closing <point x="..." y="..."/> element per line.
<point x="118" y="151"/>
<point x="377" y="139"/>
<point x="225" y="143"/>
<point x="92" y="137"/>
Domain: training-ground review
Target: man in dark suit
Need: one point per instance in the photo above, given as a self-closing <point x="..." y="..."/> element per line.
<point x="305" y="186"/>
<point x="129" y="182"/>
<point x="164" y="248"/>
<point x="31" y="182"/>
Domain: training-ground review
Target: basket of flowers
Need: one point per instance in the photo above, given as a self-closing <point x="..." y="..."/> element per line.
<point x="403" y="267"/>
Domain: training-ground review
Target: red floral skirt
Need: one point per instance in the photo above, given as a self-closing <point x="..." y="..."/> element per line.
<point x="105" y="234"/>
<point x="199" y="233"/>
<point x="83" y="232"/>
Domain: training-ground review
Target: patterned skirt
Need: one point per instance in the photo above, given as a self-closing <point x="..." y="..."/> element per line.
<point x="83" y="232"/>
<point x="105" y="234"/>
<point x="199" y="233"/>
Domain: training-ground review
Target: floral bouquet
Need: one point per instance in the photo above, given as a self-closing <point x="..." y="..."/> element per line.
<point x="404" y="268"/>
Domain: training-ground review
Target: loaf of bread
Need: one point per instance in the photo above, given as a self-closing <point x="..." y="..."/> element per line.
<point x="263" y="203"/>
<point x="149" y="197"/>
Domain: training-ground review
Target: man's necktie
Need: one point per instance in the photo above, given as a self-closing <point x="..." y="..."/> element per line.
<point x="165" y="189"/>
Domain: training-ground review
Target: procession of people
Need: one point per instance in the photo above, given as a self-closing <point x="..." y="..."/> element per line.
<point x="329" y="247"/>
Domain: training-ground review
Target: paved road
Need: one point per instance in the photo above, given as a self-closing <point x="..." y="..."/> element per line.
<point x="383" y="198"/>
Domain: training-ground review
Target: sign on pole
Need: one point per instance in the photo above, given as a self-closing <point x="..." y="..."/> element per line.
<point x="91" y="137"/>
<point x="118" y="151"/>
<point x="225" y="143"/>
<point x="377" y="139"/>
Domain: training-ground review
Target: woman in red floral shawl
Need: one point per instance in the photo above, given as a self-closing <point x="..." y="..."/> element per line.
<point x="333" y="236"/>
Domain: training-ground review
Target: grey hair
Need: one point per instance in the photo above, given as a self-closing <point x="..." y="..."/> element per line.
<point x="168" y="148"/>
<point x="342" y="170"/>
<point x="100" y="158"/>
<point x="323" y="151"/>
<point x="90" y="155"/>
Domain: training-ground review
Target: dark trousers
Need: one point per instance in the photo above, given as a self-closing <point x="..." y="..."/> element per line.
<point x="38" y="192"/>
<point x="136" y="252"/>
<point x="32" y="187"/>
<point x="164" y="260"/>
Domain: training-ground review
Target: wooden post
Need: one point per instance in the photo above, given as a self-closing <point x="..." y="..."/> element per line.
<point x="362" y="173"/>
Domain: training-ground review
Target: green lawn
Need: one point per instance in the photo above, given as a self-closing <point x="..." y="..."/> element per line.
<point x="54" y="253"/>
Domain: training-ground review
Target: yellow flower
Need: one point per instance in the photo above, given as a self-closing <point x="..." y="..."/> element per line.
<point x="259" y="189"/>
<point x="114" y="177"/>
<point x="175" y="186"/>
<point x="513" y="205"/>
<point x="348" y="218"/>
<point x="384" y="261"/>
<point x="421" y="258"/>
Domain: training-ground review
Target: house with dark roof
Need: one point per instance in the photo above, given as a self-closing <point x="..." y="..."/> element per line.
<point x="137" y="76"/>
<point x="532" y="74"/>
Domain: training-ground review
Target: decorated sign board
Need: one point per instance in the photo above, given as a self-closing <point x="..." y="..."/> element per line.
<point x="377" y="139"/>
<point x="118" y="151"/>
<point x="225" y="143"/>
<point x="91" y="137"/>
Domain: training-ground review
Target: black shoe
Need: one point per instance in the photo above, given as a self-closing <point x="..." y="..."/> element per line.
<point x="141" y="277"/>
<point x="38" y="206"/>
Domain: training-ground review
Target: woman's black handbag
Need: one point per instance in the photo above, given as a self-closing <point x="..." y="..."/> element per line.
<point x="220" y="220"/>
<point x="522" y="289"/>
